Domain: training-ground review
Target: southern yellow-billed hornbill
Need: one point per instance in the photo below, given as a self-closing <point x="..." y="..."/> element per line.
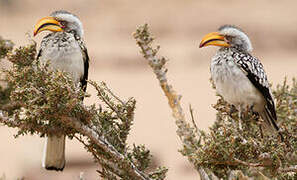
<point x="66" y="51"/>
<point x="238" y="76"/>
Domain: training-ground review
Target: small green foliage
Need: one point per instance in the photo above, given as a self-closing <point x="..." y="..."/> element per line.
<point x="23" y="56"/>
<point x="117" y="119"/>
<point x="106" y="174"/>
<point x="45" y="96"/>
<point x="115" y="123"/>
<point x="5" y="47"/>
<point x="159" y="173"/>
<point x="286" y="104"/>
<point x="5" y="95"/>
<point x="141" y="156"/>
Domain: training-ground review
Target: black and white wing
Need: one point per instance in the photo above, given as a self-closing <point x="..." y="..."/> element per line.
<point x="254" y="71"/>
<point x="86" y="59"/>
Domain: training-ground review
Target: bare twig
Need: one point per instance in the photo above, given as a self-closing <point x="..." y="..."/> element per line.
<point x="288" y="169"/>
<point x="98" y="89"/>
<point x="107" y="147"/>
<point x="144" y="40"/>
<point x="248" y="164"/>
<point x="98" y="140"/>
<point x="192" y="118"/>
<point x="203" y="174"/>
<point x="102" y="161"/>
<point x="112" y="94"/>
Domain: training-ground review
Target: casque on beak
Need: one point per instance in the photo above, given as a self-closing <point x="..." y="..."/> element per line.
<point x="214" y="39"/>
<point x="47" y="23"/>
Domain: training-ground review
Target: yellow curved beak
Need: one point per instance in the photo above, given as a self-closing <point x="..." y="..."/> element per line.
<point x="214" y="39"/>
<point x="47" y="23"/>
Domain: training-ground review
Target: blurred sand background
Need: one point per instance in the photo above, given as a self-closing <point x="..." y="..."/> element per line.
<point x="115" y="58"/>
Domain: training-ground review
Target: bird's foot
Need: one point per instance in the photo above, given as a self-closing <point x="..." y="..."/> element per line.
<point x="246" y="112"/>
<point x="240" y="119"/>
<point x="231" y="111"/>
<point x="243" y="113"/>
<point x="261" y="131"/>
<point x="240" y="125"/>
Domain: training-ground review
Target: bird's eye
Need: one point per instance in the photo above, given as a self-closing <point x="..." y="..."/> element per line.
<point x="63" y="23"/>
<point x="228" y="38"/>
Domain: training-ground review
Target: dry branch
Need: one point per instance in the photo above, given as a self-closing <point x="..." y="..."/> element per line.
<point x="107" y="147"/>
<point x="96" y="139"/>
<point x="184" y="131"/>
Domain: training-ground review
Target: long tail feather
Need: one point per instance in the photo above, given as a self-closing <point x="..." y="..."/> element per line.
<point x="54" y="153"/>
<point x="270" y="122"/>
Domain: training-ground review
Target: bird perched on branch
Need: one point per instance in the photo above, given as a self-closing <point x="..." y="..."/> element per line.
<point x="66" y="51"/>
<point x="238" y="76"/>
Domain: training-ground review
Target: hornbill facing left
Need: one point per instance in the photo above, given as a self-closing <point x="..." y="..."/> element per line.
<point x="65" y="49"/>
<point x="238" y="76"/>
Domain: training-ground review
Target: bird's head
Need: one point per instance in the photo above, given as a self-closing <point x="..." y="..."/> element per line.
<point x="60" y="21"/>
<point x="228" y="36"/>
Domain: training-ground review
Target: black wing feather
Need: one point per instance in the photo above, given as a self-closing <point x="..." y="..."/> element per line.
<point x="270" y="107"/>
<point x="84" y="78"/>
<point x="39" y="54"/>
<point x="255" y="73"/>
<point x="265" y="92"/>
<point x="86" y="60"/>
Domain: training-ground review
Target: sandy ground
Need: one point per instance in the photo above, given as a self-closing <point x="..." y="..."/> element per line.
<point x="115" y="59"/>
